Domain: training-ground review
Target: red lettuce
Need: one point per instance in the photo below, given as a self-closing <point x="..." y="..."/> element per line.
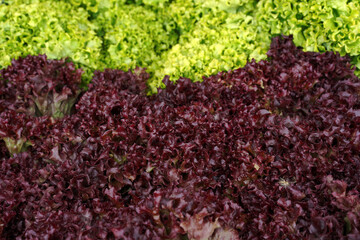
<point x="41" y="86"/>
<point x="268" y="151"/>
<point x="19" y="130"/>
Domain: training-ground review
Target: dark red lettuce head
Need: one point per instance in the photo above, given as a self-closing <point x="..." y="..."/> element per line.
<point x="114" y="101"/>
<point x="131" y="81"/>
<point x="4" y="153"/>
<point x="7" y="95"/>
<point x="43" y="87"/>
<point x="18" y="130"/>
<point x="268" y="151"/>
<point x="14" y="130"/>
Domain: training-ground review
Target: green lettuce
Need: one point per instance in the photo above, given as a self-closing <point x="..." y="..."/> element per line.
<point x="216" y="41"/>
<point x="135" y="36"/>
<point x="325" y="25"/>
<point x="232" y="6"/>
<point x="189" y="38"/>
<point x="219" y="35"/>
<point x="56" y="29"/>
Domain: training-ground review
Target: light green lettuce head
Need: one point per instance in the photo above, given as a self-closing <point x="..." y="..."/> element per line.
<point x="324" y="25"/>
<point x="135" y="36"/>
<point x="230" y="6"/>
<point x="218" y="41"/>
<point x="55" y="28"/>
<point x="93" y="6"/>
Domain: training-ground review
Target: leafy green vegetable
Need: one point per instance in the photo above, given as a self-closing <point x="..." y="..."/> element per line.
<point x="135" y="36"/>
<point x="231" y="6"/>
<point x="93" y="5"/>
<point x="189" y="38"/>
<point x="219" y="35"/>
<point x="90" y="5"/>
<point x="325" y="25"/>
<point x="16" y="145"/>
<point x="152" y="3"/>
<point x="55" y="28"/>
<point x="218" y="41"/>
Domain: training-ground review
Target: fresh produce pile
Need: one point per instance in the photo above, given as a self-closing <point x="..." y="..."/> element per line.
<point x="179" y="38"/>
<point x="259" y="138"/>
<point x="268" y="151"/>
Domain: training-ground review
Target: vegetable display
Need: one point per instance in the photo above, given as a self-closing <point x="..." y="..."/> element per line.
<point x="179" y="119"/>
<point x="267" y="151"/>
<point x="179" y="38"/>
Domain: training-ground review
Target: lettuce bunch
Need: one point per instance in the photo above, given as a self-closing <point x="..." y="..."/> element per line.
<point x="316" y="25"/>
<point x="189" y="38"/>
<point x="35" y="91"/>
<point x="229" y="33"/>
<point x="218" y="41"/>
<point x="135" y="36"/>
<point x="267" y="151"/>
<point x="54" y="28"/>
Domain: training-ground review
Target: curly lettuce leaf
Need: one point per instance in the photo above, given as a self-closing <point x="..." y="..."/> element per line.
<point x="316" y="25"/>
<point x="220" y="41"/>
<point x="56" y="29"/>
<point x="135" y="36"/>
